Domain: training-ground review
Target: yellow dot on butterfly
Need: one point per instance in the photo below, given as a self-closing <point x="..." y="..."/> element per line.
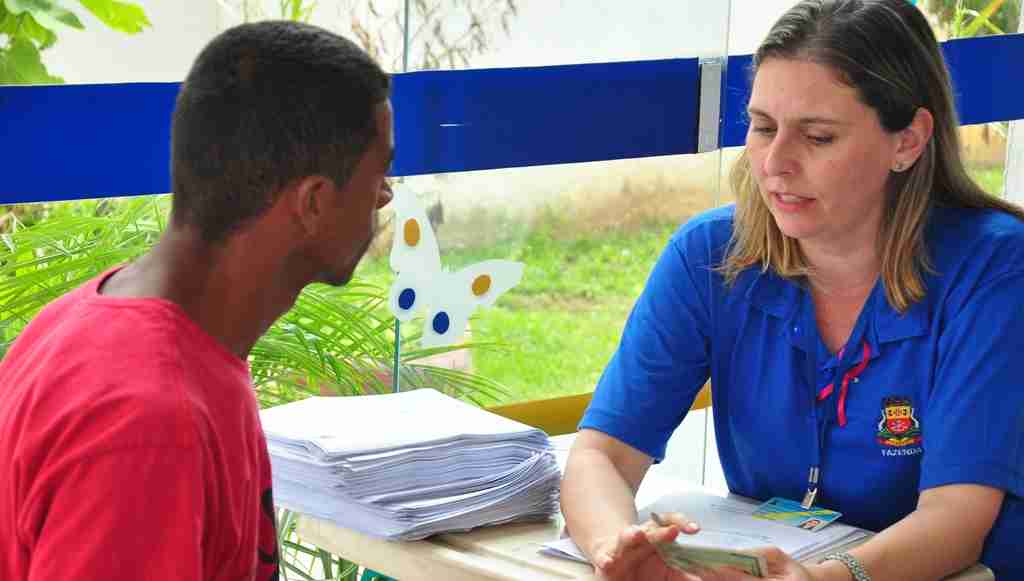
<point x="481" y="284"/>
<point x="411" y="232"/>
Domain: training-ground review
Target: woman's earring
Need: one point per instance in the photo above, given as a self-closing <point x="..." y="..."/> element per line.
<point x="898" y="167"/>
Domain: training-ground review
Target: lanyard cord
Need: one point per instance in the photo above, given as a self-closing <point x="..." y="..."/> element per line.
<point x="845" y="385"/>
<point x="814" y="475"/>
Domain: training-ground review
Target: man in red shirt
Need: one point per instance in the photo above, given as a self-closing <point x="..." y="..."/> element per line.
<point x="130" y="440"/>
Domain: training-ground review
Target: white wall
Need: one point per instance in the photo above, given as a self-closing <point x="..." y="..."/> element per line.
<point x="161" y="53"/>
<point x="544" y="32"/>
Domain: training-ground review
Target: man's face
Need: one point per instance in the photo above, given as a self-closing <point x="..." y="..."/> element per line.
<point x="354" y="216"/>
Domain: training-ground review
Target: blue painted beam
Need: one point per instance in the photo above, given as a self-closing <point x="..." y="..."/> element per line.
<point x="64" y="142"/>
<point x="86" y="141"/>
<point x="984" y="72"/>
<point x="449" y="121"/>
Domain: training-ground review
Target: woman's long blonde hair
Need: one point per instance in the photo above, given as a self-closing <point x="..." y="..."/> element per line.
<point x="885" y="49"/>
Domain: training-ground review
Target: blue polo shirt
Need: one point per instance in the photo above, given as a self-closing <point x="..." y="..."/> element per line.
<point x="940" y="400"/>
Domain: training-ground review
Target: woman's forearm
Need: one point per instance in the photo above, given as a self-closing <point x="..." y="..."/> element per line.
<point x="597" y="501"/>
<point x="943" y="536"/>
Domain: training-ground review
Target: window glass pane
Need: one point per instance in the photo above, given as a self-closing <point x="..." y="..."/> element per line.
<point x="76" y="240"/>
<point x="542" y="33"/>
<point x="589" y="232"/>
<point x="160" y="52"/>
<point x="984" y="145"/>
<point x="1014" y="186"/>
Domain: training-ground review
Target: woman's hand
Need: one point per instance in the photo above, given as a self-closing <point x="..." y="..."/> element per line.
<point x="631" y="555"/>
<point x="781" y="567"/>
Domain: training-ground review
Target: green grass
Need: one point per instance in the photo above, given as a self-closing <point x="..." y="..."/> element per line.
<point x="558" y="327"/>
<point x="551" y="352"/>
<point x="989" y="178"/>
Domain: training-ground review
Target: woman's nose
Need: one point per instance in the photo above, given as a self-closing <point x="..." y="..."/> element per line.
<point x="779" y="158"/>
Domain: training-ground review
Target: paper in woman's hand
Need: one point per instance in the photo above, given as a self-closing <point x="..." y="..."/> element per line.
<point x="689" y="558"/>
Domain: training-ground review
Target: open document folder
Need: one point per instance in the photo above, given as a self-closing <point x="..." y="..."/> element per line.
<point x="408" y="465"/>
<point x="728" y="523"/>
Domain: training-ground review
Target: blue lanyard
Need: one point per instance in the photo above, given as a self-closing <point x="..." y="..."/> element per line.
<point x="850" y="375"/>
<point x="814" y="475"/>
<point x="811" y="355"/>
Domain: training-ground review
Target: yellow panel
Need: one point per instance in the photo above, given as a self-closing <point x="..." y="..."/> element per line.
<point x="561" y="415"/>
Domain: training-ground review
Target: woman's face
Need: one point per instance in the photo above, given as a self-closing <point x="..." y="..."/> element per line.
<point x="819" y="155"/>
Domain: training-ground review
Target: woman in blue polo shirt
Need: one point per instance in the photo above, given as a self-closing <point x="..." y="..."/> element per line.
<point x="859" y="312"/>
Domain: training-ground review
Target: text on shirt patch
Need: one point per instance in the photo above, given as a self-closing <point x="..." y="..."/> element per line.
<point x="898" y="427"/>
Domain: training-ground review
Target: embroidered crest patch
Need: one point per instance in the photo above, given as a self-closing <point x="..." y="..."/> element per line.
<point x="898" y="426"/>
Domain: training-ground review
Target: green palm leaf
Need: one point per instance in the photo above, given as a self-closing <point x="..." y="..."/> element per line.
<point x="333" y="340"/>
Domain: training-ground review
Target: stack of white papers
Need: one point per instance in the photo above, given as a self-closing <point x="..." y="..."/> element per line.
<point x="727" y="522"/>
<point x="408" y="465"/>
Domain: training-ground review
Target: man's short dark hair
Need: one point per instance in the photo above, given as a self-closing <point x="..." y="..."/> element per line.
<point x="264" y="105"/>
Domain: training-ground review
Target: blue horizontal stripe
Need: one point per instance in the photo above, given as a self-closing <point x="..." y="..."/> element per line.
<point x="983" y="71"/>
<point x="84" y="141"/>
<point x="449" y="121"/>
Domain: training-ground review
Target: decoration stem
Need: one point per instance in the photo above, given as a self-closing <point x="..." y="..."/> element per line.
<point x="395" y="381"/>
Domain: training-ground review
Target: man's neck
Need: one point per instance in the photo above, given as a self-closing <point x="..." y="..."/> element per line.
<point x="233" y="291"/>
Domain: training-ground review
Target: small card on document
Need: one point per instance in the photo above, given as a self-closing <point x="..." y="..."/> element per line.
<point x="794" y="514"/>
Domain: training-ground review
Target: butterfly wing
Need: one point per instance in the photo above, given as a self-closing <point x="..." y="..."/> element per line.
<point x="414" y="255"/>
<point x="459" y="293"/>
<point x="410" y="292"/>
<point x="448" y="298"/>
<point x="414" y="243"/>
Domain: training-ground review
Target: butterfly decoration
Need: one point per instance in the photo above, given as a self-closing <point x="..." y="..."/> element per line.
<point x="422" y="285"/>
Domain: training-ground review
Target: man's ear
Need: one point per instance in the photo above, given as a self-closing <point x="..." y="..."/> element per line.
<point x="914" y="139"/>
<point x="309" y="197"/>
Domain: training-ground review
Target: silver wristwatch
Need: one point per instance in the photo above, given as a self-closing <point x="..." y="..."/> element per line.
<point x="856" y="569"/>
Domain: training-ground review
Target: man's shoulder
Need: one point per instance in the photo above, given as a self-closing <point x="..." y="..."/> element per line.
<point x="81" y="326"/>
<point x="86" y="366"/>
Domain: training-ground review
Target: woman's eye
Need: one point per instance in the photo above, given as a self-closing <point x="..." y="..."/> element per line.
<point x="764" y="130"/>
<point x="821" y="139"/>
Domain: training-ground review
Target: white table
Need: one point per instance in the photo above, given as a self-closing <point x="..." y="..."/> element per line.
<point x="505" y="552"/>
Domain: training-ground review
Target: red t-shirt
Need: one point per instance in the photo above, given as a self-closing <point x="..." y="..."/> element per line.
<point x="130" y="448"/>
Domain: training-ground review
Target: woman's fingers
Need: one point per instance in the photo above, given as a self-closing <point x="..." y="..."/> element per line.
<point x="632" y="539"/>
<point x="679" y="519"/>
<point x="631" y="548"/>
<point x="635" y="545"/>
<point x="772" y="555"/>
<point x="780" y="564"/>
<point x="662" y="534"/>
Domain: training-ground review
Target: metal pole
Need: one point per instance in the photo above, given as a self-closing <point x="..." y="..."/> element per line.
<point x="405" y="34"/>
<point x="395" y="375"/>
<point x="396" y="369"/>
<point x="1013" y="172"/>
